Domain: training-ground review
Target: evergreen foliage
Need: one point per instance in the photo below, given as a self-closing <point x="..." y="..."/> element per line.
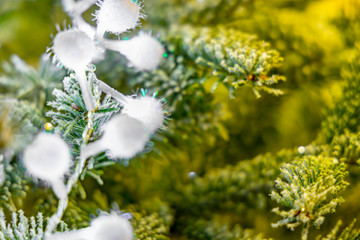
<point x="22" y="228"/>
<point x="348" y="233"/>
<point x="311" y="190"/>
<point x="230" y="56"/>
<point x="23" y="82"/>
<point x="202" y="229"/>
<point x="343" y="117"/>
<point x="220" y="160"/>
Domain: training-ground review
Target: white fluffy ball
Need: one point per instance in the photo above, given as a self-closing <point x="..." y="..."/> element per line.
<point x="117" y="16"/>
<point x="73" y="48"/>
<point x="111" y="227"/>
<point x="124" y="136"/>
<point x="147" y="110"/>
<point x="47" y="157"/>
<point x="143" y="51"/>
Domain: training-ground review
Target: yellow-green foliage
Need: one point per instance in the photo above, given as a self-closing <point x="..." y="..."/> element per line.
<point x="232" y="57"/>
<point x="343" y="117"/>
<point x="349" y="233"/>
<point x="309" y="191"/>
<point x="237" y="148"/>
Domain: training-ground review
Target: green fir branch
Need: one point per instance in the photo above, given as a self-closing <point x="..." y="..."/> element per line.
<point x="19" y="121"/>
<point x="232" y="57"/>
<point x="310" y="190"/>
<point x="209" y="230"/>
<point x="247" y="182"/>
<point x="343" y="117"/>
<point x="24" y="82"/>
<point x="349" y="233"/>
<point x="71" y="117"/>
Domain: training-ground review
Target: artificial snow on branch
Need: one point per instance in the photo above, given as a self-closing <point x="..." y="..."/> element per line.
<point x="123" y="136"/>
<point x="77" y="47"/>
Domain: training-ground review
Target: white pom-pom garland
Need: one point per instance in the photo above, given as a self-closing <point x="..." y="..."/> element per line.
<point x="117" y="16"/>
<point x="104" y="227"/>
<point x="148" y="110"/>
<point x="73" y="48"/>
<point x="48" y="158"/>
<point x="124" y="136"/>
<point x="143" y="51"/>
<point x="111" y="227"/>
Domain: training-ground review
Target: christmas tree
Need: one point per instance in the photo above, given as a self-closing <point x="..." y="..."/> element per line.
<point x="224" y="119"/>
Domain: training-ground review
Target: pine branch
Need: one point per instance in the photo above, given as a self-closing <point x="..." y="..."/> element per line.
<point x="349" y="233"/>
<point x="248" y="182"/>
<point x="310" y="190"/>
<point x="343" y="117"/>
<point x="22" y="228"/>
<point x="19" y="121"/>
<point x="23" y="82"/>
<point x="71" y="119"/>
<point x="210" y="230"/>
<point x="232" y="57"/>
<point x="149" y="226"/>
<point x="346" y="148"/>
<point x="181" y="86"/>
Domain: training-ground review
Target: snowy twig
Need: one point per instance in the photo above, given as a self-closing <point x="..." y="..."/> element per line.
<point x="55" y="219"/>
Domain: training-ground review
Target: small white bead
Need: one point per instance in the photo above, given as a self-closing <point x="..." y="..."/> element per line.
<point x="73" y="48"/>
<point x="301" y="150"/>
<point x="192" y="175"/>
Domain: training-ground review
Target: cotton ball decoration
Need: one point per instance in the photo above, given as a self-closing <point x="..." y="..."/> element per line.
<point x="148" y="110"/>
<point x="111" y="227"/>
<point x="117" y="16"/>
<point x="48" y="158"/>
<point x="143" y="51"/>
<point x="104" y="227"/>
<point x="123" y="137"/>
<point x="75" y="50"/>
